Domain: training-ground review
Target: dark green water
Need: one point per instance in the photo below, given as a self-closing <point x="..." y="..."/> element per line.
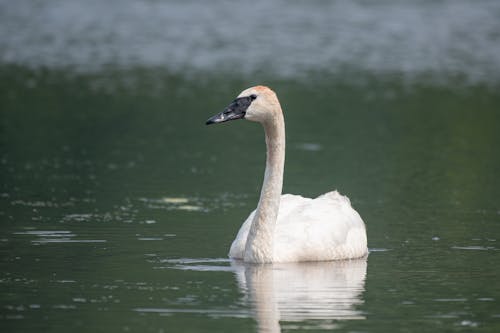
<point x="118" y="205"/>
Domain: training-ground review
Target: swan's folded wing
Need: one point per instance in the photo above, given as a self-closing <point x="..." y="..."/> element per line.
<point x="237" y="250"/>
<point x="324" y="228"/>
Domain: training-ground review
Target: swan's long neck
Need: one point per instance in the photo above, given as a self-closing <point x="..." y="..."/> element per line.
<point x="259" y="245"/>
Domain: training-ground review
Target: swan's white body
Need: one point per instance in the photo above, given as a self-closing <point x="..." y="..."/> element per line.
<point x="290" y="228"/>
<point x="325" y="228"/>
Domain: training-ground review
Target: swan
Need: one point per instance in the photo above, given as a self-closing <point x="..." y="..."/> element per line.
<point x="289" y="228"/>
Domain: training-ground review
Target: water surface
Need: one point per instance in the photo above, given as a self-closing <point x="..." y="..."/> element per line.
<point x="118" y="205"/>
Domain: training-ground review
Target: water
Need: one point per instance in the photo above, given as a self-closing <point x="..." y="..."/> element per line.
<point x="118" y="205"/>
<point x="443" y="39"/>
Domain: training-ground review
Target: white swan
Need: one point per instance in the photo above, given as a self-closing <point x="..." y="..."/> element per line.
<point x="289" y="228"/>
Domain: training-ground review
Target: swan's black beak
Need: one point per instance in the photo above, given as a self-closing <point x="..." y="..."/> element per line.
<point x="235" y="110"/>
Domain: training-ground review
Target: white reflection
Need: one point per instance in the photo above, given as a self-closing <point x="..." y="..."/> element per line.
<point x="321" y="292"/>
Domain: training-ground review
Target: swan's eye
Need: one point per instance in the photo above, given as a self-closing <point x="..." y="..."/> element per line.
<point x="253" y="97"/>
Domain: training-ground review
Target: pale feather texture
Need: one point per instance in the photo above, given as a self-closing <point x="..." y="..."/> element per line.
<point x="325" y="228"/>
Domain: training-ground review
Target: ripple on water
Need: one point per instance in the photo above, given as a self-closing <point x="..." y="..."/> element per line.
<point x="214" y="313"/>
<point x="46" y="233"/>
<point x="473" y="248"/>
<point x="199" y="264"/>
<point x="377" y="249"/>
<point x="37" y="204"/>
<point x="195" y="204"/>
<point x="174" y="203"/>
<point x="64" y="307"/>
<point x="78" y="217"/>
<point x="56" y="236"/>
<point x="450" y="299"/>
<point x="46" y="241"/>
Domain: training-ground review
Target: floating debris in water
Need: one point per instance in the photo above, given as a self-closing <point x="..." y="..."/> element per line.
<point x="468" y="323"/>
<point x="79" y="300"/>
<point x="190" y="208"/>
<point x="196" y="204"/>
<point x="175" y="200"/>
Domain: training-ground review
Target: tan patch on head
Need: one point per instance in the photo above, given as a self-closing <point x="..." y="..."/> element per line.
<point x="259" y="90"/>
<point x="262" y="89"/>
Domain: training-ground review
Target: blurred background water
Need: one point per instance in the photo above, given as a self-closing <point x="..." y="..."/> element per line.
<point x="118" y="205"/>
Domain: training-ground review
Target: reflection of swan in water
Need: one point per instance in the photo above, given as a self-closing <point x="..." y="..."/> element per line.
<point x="294" y="292"/>
<point x="289" y="228"/>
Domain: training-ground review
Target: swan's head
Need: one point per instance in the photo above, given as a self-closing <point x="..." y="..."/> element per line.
<point x="257" y="103"/>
